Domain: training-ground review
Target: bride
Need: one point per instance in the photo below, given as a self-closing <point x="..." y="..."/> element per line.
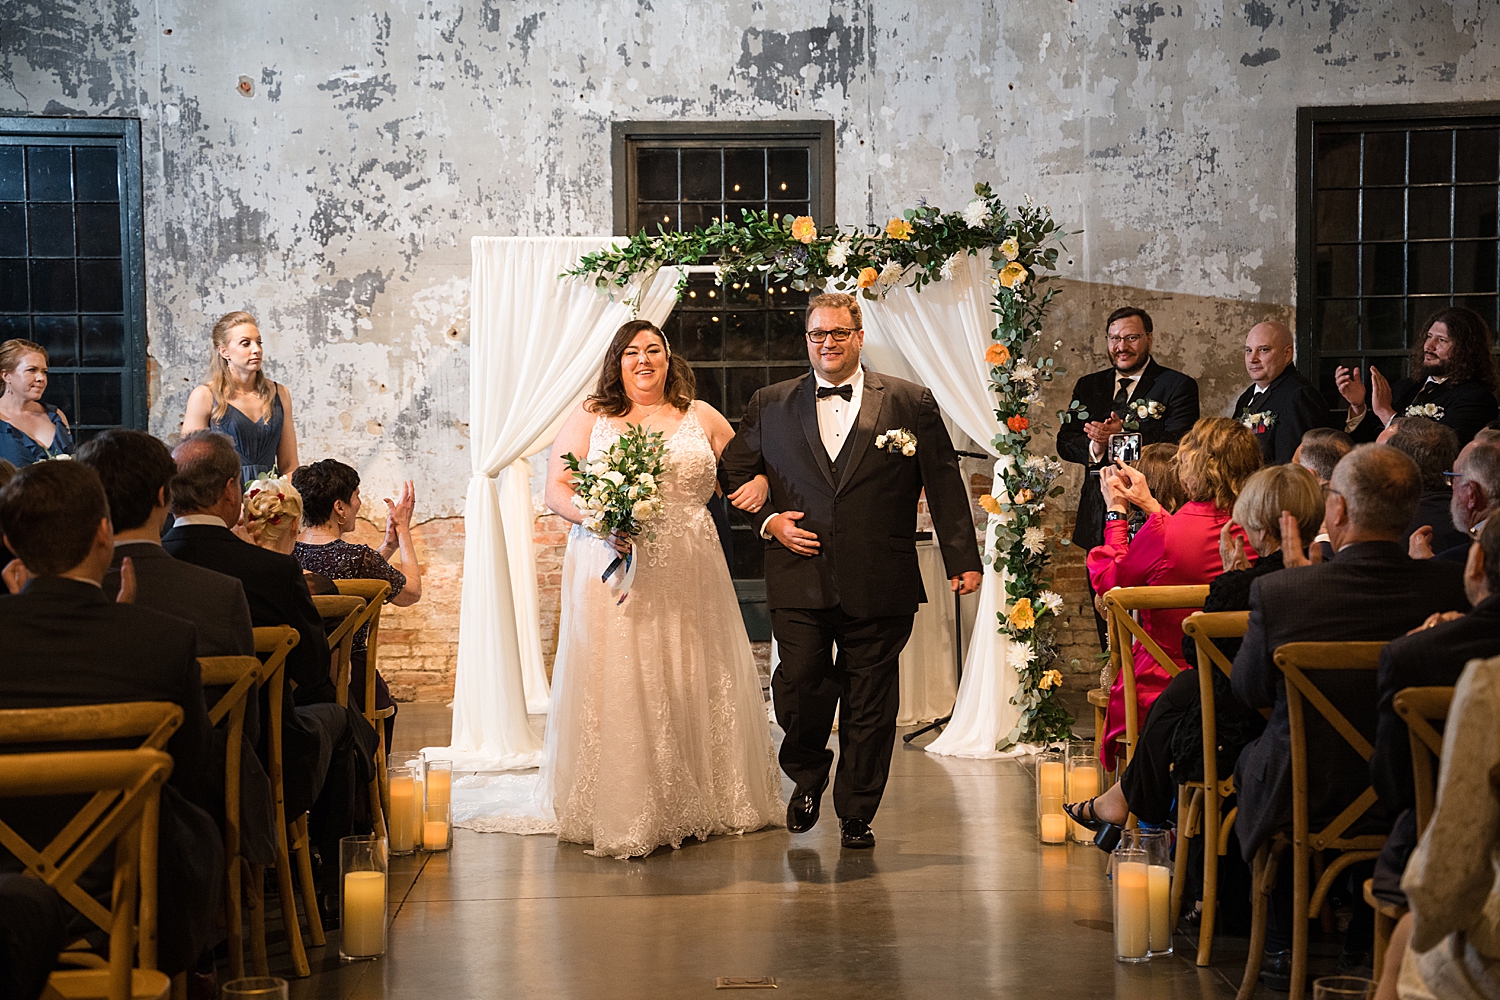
<point x="657" y="729"/>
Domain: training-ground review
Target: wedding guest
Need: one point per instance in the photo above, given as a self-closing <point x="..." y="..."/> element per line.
<point x="33" y="930"/>
<point x="1213" y="461"/>
<point x="238" y="400"/>
<point x="1103" y="402"/>
<point x="1476" y="495"/>
<point x="1281" y="404"/>
<point x="1320" y="451"/>
<point x="1434" y="448"/>
<point x="1453" y="380"/>
<point x="330" y="510"/>
<point x="70" y="645"/>
<point x="30" y="430"/>
<point x="272" y="518"/>
<point x="1158" y="463"/>
<point x="1370" y="591"/>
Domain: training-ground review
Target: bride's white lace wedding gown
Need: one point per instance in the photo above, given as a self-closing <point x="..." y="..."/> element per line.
<point x="656" y="730"/>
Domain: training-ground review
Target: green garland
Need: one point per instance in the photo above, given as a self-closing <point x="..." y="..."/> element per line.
<point x="923" y="245"/>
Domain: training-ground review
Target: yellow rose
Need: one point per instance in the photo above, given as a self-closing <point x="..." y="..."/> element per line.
<point x="997" y="354"/>
<point x="868" y="277"/>
<point x="990" y="504"/>
<point x="804" y="229"/>
<point x="1013" y="274"/>
<point x="1021" y="616"/>
<point x="898" y="229"/>
<point x="1049" y="680"/>
<point x="1025" y="496"/>
<point x="1011" y="249"/>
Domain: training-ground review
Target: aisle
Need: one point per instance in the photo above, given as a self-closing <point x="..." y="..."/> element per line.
<point x="956" y="901"/>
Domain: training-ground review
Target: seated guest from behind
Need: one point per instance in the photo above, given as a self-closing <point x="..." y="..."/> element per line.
<point x="68" y="644"/>
<point x="30" y="430"/>
<point x="240" y="401"/>
<point x="272" y="518"/>
<point x="1370" y="591"/>
<point x="330" y="509"/>
<point x="1213" y="460"/>
<point x="1320" y="451"/>
<point x="1434" y="448"/>
<point x="1281" y="404"/>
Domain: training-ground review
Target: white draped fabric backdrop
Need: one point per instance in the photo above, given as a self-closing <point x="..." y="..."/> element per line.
<point x="536" y="343"/>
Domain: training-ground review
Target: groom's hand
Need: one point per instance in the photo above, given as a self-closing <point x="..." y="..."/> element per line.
<point x="783" y="528"/>
<point x="966" y="584"/>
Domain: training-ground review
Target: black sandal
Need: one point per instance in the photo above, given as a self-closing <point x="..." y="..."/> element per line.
<point x="1092" y="822"/>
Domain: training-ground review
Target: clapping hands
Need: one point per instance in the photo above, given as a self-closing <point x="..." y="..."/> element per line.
<point x="1292" y="553"/>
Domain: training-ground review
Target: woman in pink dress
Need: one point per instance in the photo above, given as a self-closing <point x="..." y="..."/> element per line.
<point x="1171" y="549"/>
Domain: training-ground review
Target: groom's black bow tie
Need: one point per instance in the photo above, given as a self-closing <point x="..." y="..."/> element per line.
<point x="847" y="391"/>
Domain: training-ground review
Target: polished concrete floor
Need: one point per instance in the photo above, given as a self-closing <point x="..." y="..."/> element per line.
<point x="957" y="900"/>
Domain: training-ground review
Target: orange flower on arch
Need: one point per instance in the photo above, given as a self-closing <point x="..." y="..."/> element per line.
<point x="898" y="229"/>
<point x="997" y="354"/>
<point x="1022" y="617"/>
<point x="1013" y="274"/>
<point x="868" y="277"/>
<point x="804" y="229"/>
<point x="1017" y="423"/>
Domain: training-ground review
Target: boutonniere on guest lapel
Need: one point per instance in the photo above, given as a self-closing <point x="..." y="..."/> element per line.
<point x="898" y="439"/>
<point x="1260" y="422"/>
<point x="1138" y="410"/>
<point x="1425" y="410"/>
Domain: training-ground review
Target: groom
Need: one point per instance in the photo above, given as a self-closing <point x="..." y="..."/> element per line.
<point x="841" y="558"/>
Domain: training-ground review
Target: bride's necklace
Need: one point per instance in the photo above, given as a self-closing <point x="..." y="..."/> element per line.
<point x="654" y="409"/>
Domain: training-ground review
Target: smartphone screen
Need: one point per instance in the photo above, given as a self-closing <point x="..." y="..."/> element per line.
<point x="1125" y="447"/>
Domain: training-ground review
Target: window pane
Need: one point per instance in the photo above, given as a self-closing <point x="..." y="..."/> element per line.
<point x="656" y="175"/>
<point x="1474" y="267"/>
<point x="60" y="393"/>
<point x="12" y="174"/>
<point x="1431" y="157"/>
<point x="788" y="337"/>
<point x="1478" y="155"/>
<point x="52" y="288"/>
<point x="101" y="286"/>
<point x="1474" y="212"/>
<point x="1429" y="213"/>
<point x="13" y="286"/>
<point x="745" y="336"/>
<point x="1385" y="269"/>
<point x="1385" y="158"/>
<point x="735" y="211"/>
<point x="1484" y="305"/>
<point x="1338" y="270"/>
<point x="1418" y="311"/>
<point x="98" y="231"/>
<point x="698" y="337"/>
<point x="96" y="173"/>
<point x="59" y="335"/>
<point x="745" y="175"/>
<point x="1427" y="268"/>
<point x="52" y="230"/>
<point x="788" y="170"/>
<point x="1338" y="160"/>
<point x="746" y="291"/>
<point x="49" y="172"/>
<point x="700" y="216"/>
<point x="1338" y="216"/>
<point x="742" y="385"/>
<point x="711" y="386"/>
<point x="1338" y="324"/>
<point x="15" y="327"/>
<point x="702" y="175"/>
<point x="784" y="208"/>
<point x="99" y="398"/>
<point x="652" y="216"/>
<point x="1383" y="324"/>
<point x="788" y="372"/>
<point x="103" y="340"/>
<point x="13" y="230"/>
<point x="1383" y="211"/>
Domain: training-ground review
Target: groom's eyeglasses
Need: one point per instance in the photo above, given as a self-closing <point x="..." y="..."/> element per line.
<point x="838" y="336"/>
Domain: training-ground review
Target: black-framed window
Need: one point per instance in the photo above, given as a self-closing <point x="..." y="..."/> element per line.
<point x="72" y="274"/>
<point x="749" y="333"/>
<point x="1396" y="220"/>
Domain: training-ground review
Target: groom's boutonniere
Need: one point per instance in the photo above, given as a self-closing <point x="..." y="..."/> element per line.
<point x="1138" y="410"/>
<point x="1431" y="410"/>
<point x="1260" y="422"/>
<point x="898" y="439"/>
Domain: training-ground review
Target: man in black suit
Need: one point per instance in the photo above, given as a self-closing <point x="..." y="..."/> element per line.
<point x="841" y="559"/>
<point x="1434" y="447"/>
<point x="1281" y="404"/>
<point x="67" y="644"/>
<point x="1107" y="402"/>
<point x="1476" y="497"/>
<point x="1453" y="372"/>
<point x="1434" y="656"/>
<point x="1371" y="591"/>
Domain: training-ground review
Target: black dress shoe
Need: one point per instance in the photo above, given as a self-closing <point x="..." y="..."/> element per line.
<point x="802" y="811"/>
<point x="1276" y="970"/>
<point x="856" y="834"/>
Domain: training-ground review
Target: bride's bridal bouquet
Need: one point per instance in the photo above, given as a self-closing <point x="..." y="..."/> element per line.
<point x="620" y="492"/>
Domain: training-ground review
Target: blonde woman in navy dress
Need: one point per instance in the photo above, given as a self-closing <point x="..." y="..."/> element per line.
<point x="30" y="430"/>
<point x="240" y="401"/>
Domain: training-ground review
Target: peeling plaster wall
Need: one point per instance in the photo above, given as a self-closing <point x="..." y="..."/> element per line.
<point x="336" y="200"/>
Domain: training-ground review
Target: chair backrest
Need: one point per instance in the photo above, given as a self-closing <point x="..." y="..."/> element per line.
<point x="1202" y="628"/>
<point x="129" y="781"/>
<point x="374" y="592"/>
<point x="354" y="612"/>
<point x="274" y="642"/>
<point x="238" y="673"/>
<point x="1122" y="627"/>
<point x="1294" y="660"/>
<point x="1419" y="708"/>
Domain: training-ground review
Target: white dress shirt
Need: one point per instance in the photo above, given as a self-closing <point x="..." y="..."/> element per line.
<point x="217" y="522"/>
<point x="836" y="419"/>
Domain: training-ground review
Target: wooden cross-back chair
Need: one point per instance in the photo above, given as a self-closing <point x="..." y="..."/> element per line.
<point x="349" y="612"/>
<point x="1293" y="660"/>
<point x="1419" y="708"/>
<point x="121" y="811"/>
<point x="291" y="836"/>
<point x="1123" y="631"/>
<point x="374" y="594"/>
<point x="1200" y="803"/>
<point x="240" y="674"/>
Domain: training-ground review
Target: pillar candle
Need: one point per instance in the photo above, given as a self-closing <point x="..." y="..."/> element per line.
<point x="1083" y="784"/>
<point x="1132" y="920"/>
<point x="439" y="786"/>
<point x="435" y="835"/>
<point x="1050" y="780"/>
<point x="1159" y="884"/>
<point x="405" y="818"/>
<point x="1054" y="828"/>
<point x="364" y="914"/>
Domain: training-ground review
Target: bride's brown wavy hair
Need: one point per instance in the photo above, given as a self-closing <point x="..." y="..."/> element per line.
<point x="609" y="392"/>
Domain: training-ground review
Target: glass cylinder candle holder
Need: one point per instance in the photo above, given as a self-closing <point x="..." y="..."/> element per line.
<point x="404" y="822"/>
<point x="1132" y="900"/>
<point x="437" y="813"/>
<point x="1050" y="783"/>
<point x="1156" y="843"/>
<point x="1085" y="781"/>
<point x="363" y="876"/>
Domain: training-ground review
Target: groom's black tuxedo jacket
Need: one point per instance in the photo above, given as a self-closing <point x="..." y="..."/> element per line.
<point x="866" y="516"/>
<point x="1095" y="394"/>
<point x="1299" y="407"/>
